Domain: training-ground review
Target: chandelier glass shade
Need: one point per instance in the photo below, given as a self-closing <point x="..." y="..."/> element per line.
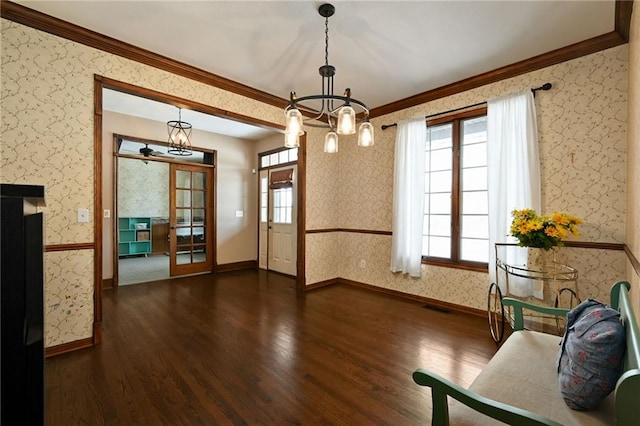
<point x="326" y="110"/>
<point x="179" y="136"/>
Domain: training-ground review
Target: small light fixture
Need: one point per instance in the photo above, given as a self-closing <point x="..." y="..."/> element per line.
<point x="179" y="136"/>
<point x="365" y="134"/>
<point x="335" y="112"/>
<point x="331" y="143"/>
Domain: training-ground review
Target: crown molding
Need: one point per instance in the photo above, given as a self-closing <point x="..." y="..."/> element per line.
<point x="40" y="21"/>
<point x="544" y="60"/>
<point x="58" y="27"/>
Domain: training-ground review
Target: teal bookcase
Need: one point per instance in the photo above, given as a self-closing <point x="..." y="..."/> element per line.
<point x="134" y="236"/>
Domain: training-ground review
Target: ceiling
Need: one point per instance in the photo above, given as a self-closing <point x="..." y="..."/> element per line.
<point x="124" y="103"/>
<point x="384" y="51"/>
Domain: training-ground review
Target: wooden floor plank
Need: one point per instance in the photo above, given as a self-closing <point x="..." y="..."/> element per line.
<point x="245" y="348"/>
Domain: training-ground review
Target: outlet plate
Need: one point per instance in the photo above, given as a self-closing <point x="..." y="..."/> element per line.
<point x="83" y="215"/>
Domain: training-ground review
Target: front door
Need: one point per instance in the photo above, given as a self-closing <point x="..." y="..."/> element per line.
<point x="278" y="219"/>
<point x="191" y="220"/>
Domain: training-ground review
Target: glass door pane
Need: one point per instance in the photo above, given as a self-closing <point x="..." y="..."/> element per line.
<point x="191" y="226"/>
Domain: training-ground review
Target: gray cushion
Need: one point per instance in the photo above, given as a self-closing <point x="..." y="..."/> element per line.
<point x="523" y="374"/>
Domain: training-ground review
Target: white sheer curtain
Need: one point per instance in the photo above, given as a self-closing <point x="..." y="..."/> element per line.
<point x="408" y="196"/>
<point x="514" y="178"/>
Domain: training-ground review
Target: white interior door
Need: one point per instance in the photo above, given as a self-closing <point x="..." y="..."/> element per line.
<point x="281" y="225"/>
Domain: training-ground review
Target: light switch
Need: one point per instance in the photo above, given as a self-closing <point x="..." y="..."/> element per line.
<point x="107" y="214"/>
<point x="239" y="213"/>
<point x="83" y="215"/>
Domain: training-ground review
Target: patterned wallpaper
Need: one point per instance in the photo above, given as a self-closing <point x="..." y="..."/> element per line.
<point x="582" y="131"/>
<point x="47" y="139"/>
<point x="143" y="188"/>
<point x="633" y="178"/>
<point x="68" y="307"/>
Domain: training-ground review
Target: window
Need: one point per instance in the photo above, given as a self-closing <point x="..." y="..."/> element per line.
<point x="282" y="205"/>
<point x="456" y="225"/>
<point x="264" y="194"/>
<point x="281" y="156"/>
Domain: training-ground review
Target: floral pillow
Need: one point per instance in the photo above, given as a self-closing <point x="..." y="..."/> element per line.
<point x="591" y="355"/>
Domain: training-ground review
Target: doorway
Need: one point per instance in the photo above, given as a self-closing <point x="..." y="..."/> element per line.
<point x="103" y="169"/>
<point x="164" y="209"/>
<point x="278" y="211"/>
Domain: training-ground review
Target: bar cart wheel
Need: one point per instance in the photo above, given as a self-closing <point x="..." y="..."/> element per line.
<point x="495" y="310"/>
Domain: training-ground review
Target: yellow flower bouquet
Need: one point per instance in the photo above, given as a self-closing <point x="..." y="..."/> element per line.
<point x="544" y="232"/>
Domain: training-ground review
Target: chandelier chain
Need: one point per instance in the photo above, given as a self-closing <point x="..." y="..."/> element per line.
<point x="326" y="41"/>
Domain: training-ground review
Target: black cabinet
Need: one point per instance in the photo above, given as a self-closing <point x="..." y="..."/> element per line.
<point x="22" y="305"/>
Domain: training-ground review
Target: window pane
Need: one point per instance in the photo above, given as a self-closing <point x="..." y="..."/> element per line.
<point x="440" y="247"/>
<point x="183" y="198"/>
<point x="293" y="154"/>
<point x="273" y="159"/>
<point x="474" y="250"/>
<point x="199" y="180"/>
<point x="440" y="225"/>
<point x="198" y="198"/>
<point x="475" y="202"/>
<point x="439" y="137"/>
<point x="440" y="203"/>
<point x="183" y="216"/>
<point x="475" y="227"/>
<point x="427" y="181"/>
<point x="474" y="179"/>
<point x="282" y="205"/>
<point x="264" y="161"/>
<point x="441" y="181"/>
<point x="183" y="179"/>
<point x="427" y="161"/>
<point x="474" y="130"/>
<point x="283" y="156"/>
<point x="474" y="155"/>
<point x="198" y="216"/>
<point x="441" y="159"/>
<point x="263" y="214"/>
<point x="425" y="245"/>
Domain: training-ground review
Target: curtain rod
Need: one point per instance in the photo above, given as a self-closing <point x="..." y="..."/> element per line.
<point x="545" y="87"/>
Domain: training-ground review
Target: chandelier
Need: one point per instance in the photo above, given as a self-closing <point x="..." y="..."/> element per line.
<point x="333" y="112"/>
<point x="179" y="133"/>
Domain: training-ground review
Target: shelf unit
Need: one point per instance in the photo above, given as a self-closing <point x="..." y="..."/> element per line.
<point x="134" y="236"/>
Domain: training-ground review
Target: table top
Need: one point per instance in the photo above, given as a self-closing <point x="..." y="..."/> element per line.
<point x="552" y="271"/>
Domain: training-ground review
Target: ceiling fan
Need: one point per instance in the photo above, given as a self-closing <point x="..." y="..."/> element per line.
<point x="146" y="151"/>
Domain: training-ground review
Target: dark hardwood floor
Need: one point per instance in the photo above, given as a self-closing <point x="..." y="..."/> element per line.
<point x="245" y="348"/>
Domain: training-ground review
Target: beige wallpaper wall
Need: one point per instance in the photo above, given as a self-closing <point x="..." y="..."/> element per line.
<point x="47" y="139"/>
<point x="633" y="179"/>
<point x="582" y="123"/>
<point x="143" y="189"/>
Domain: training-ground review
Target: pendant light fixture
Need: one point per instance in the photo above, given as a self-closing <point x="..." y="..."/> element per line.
<point x="179" y="136"/>
<point x="330" y="111"/>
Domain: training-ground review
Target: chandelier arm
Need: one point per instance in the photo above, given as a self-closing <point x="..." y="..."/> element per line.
<point x="333" y="97"/>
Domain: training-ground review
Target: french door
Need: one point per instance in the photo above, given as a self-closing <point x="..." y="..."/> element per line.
<point x="278" y="220"/>
<point x="191" y="220"/>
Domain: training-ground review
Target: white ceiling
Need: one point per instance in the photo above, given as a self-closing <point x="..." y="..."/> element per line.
<point x="383" y="50"/>
<point x="146" y="108"/>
